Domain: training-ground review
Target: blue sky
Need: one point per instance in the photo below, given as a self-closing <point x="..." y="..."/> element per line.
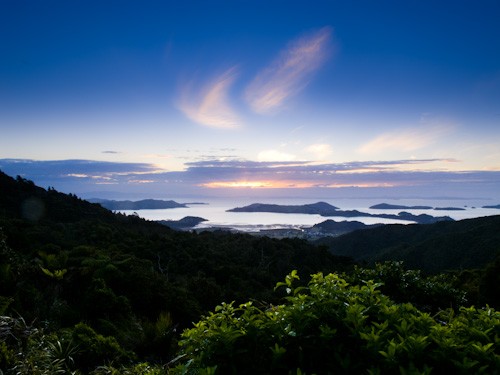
<point x="162" y="98"/>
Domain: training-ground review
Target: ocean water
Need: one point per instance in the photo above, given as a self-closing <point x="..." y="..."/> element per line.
<point x="214" y="210"/>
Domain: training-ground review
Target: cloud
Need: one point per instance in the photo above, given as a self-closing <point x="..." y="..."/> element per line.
<point x="363" y="174"/>
<point x="274" y="155"/>
<point x="211" y="106"/>
<point x="406" y="140"/>
<point x="76" y="166"/>
<point x="320" y="151"/>
<point x="110" y="152"/>
<point x="84" y="176"/>
<point x="289" y="73"/>
<point x="64" y="172"/>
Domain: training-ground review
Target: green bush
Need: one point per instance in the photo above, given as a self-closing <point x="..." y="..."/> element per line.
<point x="333" y="327"/>
<point x="138" y="369"/>
<point x="428" y="293"/>
<point x="96" y="349"/>
<point x="25" y="350"/>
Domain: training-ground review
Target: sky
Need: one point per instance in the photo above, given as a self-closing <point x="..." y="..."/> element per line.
<point x="266" y="98"/>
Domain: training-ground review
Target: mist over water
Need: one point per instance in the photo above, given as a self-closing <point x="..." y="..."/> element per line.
<point x="215" y="211"/>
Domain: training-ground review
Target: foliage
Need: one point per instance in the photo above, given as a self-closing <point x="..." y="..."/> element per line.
<point x="65" y="262"/>
<point x="443" y="246"/>
<point x="109" y="294"/>
<point x="333" y="327"/>
<point x="95" y="349"/>
<point x="26" y="350"/>
<point x="429" y="293"/>
<point x="138" y="369"/>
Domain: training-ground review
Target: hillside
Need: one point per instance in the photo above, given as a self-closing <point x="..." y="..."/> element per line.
<point x="64" y="261"/>
<point x="463" y="244"/>
<point x="105" y="289"/>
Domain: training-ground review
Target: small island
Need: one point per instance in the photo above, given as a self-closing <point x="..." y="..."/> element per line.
<point x="496" y="206"/>
<point x="185" y="223"/>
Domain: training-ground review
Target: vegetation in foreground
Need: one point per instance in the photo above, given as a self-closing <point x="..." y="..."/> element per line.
<point x="85" y="291"/>
<point x="332" y="327"/>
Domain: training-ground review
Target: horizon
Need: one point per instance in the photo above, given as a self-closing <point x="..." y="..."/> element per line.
<point x="323" y="100"/>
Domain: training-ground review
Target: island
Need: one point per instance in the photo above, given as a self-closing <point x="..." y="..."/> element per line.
<point x="496" y="206"/>
<point x="185" y="223"/>
<point x="318" y="208"/>
<point x="449" y="209"/>
<point x="325" y="209"/>
<point x="387" y="206"/>
<point x="145" y="204"/>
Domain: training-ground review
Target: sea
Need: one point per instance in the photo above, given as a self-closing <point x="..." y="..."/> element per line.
<point x="215" y="211"/>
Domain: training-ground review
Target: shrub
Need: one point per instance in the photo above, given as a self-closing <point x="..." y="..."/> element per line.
<point x="96" y="349"/>
<point x="333" y="327"/>
<point x="428" y="293"/>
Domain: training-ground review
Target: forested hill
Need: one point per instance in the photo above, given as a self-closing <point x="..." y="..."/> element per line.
<point x="86" y="291"/>
<point x="464" y="244"/>
<point x="22" y="199"/>
<point x="64" y="260"/>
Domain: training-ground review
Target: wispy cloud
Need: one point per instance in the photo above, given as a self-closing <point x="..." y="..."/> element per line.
<point x="320" y="151"/>
<point x="210" y="105"/>
<point x="406" y="140"/>
<point x="289" y="73"/>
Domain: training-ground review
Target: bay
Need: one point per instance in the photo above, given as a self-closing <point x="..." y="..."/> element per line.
<point x="214" y="210"/>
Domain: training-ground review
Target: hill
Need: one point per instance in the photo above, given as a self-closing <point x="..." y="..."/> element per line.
<point x="105" y="289"/>
<point x="333" y="227"/>
<point x="64" y="261"/>
<point x="463" y="244"/>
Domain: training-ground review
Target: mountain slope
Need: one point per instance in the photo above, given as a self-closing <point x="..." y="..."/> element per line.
<point x="470" y="243"/>
<point x="89" y="252"/>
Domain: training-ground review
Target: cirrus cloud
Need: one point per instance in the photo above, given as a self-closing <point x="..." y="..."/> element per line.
<point x="211" y="107"/>
<point x="289" y="73"/>
<point x="407" y="140"/>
